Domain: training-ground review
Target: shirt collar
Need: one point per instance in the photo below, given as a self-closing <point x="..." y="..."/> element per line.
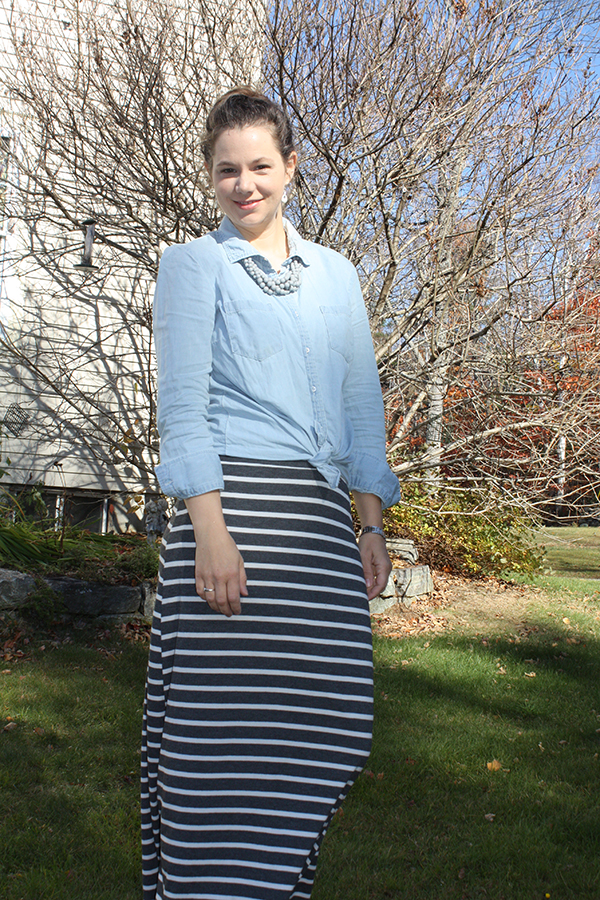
<point x="237" y="248"/>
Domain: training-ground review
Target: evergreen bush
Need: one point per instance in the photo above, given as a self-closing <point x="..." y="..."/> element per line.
<point x="464" y="532"/>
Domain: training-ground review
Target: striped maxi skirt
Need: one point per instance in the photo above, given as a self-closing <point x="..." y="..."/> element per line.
<point x="255" y="726"/>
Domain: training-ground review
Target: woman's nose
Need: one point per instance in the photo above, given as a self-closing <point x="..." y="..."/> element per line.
<point x="244" y="183"/>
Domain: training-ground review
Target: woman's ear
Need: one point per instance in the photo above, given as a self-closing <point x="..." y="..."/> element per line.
<point x="290" y="166"/>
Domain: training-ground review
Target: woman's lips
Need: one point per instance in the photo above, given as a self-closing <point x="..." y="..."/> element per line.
<point x="247" y="204"/>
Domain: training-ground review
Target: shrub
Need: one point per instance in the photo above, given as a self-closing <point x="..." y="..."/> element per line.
<point x="107" y="558"/>
<point x="30" y="542"/>
<point x="463" y="532"/>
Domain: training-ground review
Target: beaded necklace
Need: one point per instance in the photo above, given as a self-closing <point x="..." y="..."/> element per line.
<point x="279" y="283"/>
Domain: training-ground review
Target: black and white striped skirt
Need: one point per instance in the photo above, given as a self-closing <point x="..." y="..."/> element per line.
<point x="256" y="725"/>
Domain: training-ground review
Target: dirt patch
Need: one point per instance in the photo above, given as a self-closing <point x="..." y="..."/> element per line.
<point x="479" y="607"/>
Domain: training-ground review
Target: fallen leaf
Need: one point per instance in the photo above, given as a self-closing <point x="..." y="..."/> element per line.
<point x="529" y="674"/>
<point x="39" y="730"/>
<point x="6" y="671"/>
<point x="461" y="873"/>
<point x="494" y="765"/>
<point x="490" y="816"/>
<point x="566" y="621"/>
<point x="10" y="726"/>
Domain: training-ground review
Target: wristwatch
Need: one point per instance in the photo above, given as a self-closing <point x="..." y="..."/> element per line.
<point x="372" y="529"/>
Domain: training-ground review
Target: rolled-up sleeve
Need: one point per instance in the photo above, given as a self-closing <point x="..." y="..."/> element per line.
<point x="184" y="314"/>
<point x="368" y="470"/>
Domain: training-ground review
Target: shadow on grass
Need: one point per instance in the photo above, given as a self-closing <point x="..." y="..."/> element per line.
<point x="484" y="775"/>
<point x="428" y="819"/>
<point x="575" y="562"/>
<point x="69" y="773"/>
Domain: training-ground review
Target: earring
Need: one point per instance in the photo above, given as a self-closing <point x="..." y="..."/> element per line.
<point x="284" y="196"/>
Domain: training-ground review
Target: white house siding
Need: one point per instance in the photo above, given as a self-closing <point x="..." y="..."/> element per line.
<point x="87" y="385"/>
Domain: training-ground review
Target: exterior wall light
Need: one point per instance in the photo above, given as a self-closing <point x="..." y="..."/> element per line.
<point x="88" y="246"/>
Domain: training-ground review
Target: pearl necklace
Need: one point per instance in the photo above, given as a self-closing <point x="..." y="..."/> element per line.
<point x="284" y="282"/>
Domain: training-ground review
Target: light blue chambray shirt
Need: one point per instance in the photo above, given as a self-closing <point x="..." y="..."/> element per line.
<point x="245" y="374"/>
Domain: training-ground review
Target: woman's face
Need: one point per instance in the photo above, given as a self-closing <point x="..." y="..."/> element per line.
<point x="249" y="175"/>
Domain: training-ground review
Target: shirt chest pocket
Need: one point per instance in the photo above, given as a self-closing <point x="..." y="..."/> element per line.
<point x="339" y="330"/>
<point x="253" y="328"/>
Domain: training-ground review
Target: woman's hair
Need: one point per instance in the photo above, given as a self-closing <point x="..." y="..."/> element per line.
<point x="243" y="107"/>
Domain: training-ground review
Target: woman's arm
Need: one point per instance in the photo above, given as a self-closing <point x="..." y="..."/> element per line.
<point x="184" y="315"/>
<point x="219" y="565"/>
<point x="373" y="551"/>
<point x="368" y="470"/>
<point x="190" y="468"/>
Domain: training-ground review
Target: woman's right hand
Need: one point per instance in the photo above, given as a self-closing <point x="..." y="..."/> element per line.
<point x="220" y="567"/>
<point x="220" y="573"/>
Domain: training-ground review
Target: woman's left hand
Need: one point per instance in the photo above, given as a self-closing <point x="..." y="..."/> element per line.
<point x="376" y="563"/>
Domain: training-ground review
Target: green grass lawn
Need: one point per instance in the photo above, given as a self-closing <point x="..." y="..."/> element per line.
<point x="428" y="819"/>
<point x="431" y="819"/>
<point x="572" y="551"/>
<point x="69" y="776"/>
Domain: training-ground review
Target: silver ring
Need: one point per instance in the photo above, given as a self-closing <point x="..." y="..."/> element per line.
<point x="208" y="590"/>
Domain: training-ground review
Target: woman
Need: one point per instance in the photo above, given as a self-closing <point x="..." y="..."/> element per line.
<point x="259" y="698"/>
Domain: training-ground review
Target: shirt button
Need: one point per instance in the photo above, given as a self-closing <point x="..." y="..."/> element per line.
<point x="308" y="349"/>
<point x="313" y="389"/>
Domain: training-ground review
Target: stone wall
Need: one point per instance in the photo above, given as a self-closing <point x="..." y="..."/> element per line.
<point x="81" y="598"/>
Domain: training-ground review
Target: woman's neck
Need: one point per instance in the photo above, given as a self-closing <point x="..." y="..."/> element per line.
<point x="270" y="243"/>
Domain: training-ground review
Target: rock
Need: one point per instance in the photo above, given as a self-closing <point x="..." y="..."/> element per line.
<point x="402" y="587"/>
<point x="390" y="588"/>
<point x="148" y="599"/>
<point x="414" y="581"/>
<point x="88" y="598"/>
<point x="81" y="598"/>
<point x="403" y="548"/>
<point x="381" y="604"/>
<point x="14" y="588"/>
